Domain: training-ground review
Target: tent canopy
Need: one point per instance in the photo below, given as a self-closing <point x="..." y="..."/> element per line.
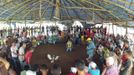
<point x="82" y="10"/>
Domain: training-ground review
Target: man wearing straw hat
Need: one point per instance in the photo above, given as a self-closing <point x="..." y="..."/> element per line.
<point x="90" y="48"/>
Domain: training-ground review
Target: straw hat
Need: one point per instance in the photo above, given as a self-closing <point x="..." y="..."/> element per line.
<point x="88" y="39"/>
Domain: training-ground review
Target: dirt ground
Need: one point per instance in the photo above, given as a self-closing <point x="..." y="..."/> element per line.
<point x="66" y="59"/>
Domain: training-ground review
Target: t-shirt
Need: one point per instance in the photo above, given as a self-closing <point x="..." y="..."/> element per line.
<point x="28" y="57"/>
<point x="34" y="42"/>
<point x="124" y="58"/>
<point x="93" y="71"/>
<point x="23" y="72"/>
<point x="14" y="51"/>
<point x="91" y="46"/>
<point x="106" y="52"/>
<point x="69" y="44"/>
<point x="21" y="54"/>
<point x="29" y="72"/>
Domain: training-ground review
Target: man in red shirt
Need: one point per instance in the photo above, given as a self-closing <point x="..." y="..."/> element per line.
<point x="28" y="56"/>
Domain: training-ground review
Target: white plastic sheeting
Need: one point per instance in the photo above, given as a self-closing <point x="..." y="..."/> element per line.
<point x="119" y="30"/>
<point x="44" y="24"/>
<point x="114" y="29"/>
<point x="77" y="23"/>
<point x="111" y="29"/>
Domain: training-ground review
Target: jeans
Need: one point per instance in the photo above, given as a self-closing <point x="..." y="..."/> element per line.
<point x="22" y="63"/>
<point x="69" y="49"/>
<point x="15" y="60"/>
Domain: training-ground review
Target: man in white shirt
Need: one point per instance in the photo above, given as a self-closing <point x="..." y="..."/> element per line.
<point x="14" y="54"/>
<point x="22" y="54"/>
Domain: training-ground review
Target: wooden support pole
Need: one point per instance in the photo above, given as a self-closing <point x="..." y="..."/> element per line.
<point x="126" y="28"/>
<point x="57" y="11"/>
<point x="40" y="18"/>
<point x="113" y="29"/>
<point x="25" y="22"/>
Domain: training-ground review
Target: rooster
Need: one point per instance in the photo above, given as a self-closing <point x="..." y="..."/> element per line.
<point x="52" y="58"/>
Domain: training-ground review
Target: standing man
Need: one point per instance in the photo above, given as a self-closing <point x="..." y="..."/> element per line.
<point x="111" y="67"/>
<point x="14" y="53"/>
<point x="90" y="48"/>
<point x="28" y="56"/>
<point x="127" y="64"/>
<point x="69" y="45"/>
<point x="22" y="55"/>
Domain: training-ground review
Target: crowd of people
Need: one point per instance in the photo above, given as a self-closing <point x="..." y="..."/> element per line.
<point x="114" y="53"/>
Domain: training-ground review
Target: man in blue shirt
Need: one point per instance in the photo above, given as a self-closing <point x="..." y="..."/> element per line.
<point x="90" y="48"/>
